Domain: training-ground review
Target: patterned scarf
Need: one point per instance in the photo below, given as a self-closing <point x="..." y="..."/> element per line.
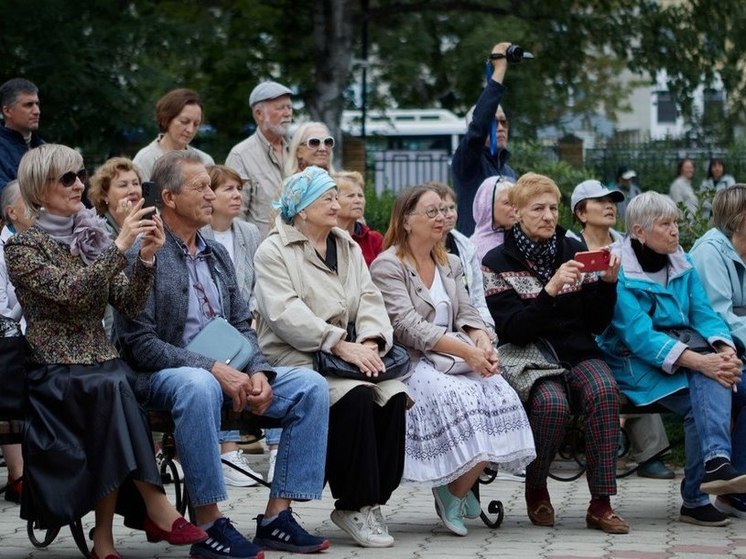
<point x="540" y="256"/>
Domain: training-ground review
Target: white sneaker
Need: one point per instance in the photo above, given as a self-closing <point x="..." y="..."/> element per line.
<point x="166" y="476"/>
<point x="234" y="477"/>
<point x="272" y="462"/>
<point x="366" y="526"/>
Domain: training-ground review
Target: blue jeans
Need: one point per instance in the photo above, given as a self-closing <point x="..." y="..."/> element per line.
<point x="738" y="456"/>
<point x="194" y="398"/>
<point x="273" y="435"/>
<point x="706" y="412"/>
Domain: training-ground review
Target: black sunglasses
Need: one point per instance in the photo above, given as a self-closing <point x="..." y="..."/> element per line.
<point x="68" y="179"/>
<point x="314" y="142"/>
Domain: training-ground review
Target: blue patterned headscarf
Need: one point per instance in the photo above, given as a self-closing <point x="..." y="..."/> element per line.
<point x="301" y="190"/>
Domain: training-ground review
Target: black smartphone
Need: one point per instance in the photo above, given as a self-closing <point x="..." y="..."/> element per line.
<point x="150" y="193"/>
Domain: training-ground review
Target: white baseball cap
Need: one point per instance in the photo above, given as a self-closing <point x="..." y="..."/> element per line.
<point x="593" y="189"/>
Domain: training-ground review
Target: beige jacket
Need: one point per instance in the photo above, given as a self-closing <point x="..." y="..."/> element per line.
<point x="303" y="307"/>
<point x="255" y="160"/>
<point x="410" y="307"/>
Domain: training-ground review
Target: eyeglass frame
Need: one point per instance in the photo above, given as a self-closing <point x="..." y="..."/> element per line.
<point x="204" y="300"/>
<point x="432" y="212"/>
<point x="68" y="179"/>
<point x="328" y="142"/>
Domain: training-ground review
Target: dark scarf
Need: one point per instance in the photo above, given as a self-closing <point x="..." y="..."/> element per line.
<point x="540" y="256"/>
<point x="649" y="260"/>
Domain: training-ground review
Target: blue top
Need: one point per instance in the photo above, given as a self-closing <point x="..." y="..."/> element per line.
<point x="12" y="149"/>
<point x="723" y="275"/>
<point x="641" y="356"/>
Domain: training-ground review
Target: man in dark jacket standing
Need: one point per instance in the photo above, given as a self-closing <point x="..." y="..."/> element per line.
<point x="19" y="101"/>
<point x="474" y="161"/>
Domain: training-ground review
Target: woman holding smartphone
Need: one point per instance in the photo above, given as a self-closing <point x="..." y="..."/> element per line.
<point x="538" y="293"/>
<point x="595" y="207"/>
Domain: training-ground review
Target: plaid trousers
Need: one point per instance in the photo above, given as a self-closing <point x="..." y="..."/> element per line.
<point x="593" y="394"/>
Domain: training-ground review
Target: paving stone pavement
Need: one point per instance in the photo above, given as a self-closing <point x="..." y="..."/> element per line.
<point x="651" y="507"/>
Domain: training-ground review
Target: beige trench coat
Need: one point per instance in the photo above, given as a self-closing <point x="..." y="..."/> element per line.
<point x="303" y="307"/>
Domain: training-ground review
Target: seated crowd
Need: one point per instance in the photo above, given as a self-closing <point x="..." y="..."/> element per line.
<point x="113" y="297"/>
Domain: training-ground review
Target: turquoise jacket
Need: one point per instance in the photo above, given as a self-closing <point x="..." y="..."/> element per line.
<point x="641" y="357"/>
<point x="723" y="274"/>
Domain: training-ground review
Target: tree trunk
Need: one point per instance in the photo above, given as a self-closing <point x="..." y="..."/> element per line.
<point x="333" y="32"/>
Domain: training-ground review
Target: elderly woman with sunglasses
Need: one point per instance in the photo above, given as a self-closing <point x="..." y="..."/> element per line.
<point x="86" y="441"/>
<point x="311" y="282"/>
<point x="312" y="144"/>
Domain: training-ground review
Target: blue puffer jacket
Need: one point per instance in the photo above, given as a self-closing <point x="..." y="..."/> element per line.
<point x="642" y="357"/>
<point x="723" y="274"/>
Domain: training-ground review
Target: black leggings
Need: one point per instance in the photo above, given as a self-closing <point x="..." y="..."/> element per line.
<point x="365" y="453"/>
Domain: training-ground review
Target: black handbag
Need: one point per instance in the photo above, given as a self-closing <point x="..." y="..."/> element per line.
<point x="396" y="361"/>
<point x="13" y="354"/>
<point x="689" y="336"/>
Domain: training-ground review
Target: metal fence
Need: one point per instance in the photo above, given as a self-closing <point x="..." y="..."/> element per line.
<point x="396" y="170"/>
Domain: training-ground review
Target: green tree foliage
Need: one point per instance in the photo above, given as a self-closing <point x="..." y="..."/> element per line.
<point x="101" y="65"/>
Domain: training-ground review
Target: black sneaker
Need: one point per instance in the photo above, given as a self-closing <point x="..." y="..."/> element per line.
<point x="286" y="534"/>
<point x="722" y="478"/>
<point x="706" y="515"/>
<point x="225" y="542"/>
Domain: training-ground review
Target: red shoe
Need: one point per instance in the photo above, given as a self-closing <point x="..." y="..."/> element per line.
<point x="182" y="532"/>
<point x="13" y="491"/>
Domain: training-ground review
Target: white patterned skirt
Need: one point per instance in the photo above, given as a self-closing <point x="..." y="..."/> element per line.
<point x="460" y="420"/>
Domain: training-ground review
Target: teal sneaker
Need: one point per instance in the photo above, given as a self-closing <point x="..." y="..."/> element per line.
<point x="450" y="510"/>
<point x="472" y="506"/>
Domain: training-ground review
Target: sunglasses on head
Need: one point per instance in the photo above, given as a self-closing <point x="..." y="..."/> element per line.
<point x="314" y="142"/>
<point x="68" y="179"/>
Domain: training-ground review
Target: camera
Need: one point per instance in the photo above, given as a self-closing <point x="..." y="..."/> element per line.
<point x="514" y="54"/>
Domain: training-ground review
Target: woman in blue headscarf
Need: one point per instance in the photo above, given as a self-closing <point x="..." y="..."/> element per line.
<point x="311" y="282"/>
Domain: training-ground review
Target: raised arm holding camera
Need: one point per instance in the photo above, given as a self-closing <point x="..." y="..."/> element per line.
<point x="475" y="159"/>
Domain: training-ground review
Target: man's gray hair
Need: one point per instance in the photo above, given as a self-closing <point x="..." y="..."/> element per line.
<point x="12" y="89"/>
<point x="645" y="208"/>
<point x="167" y="173"/>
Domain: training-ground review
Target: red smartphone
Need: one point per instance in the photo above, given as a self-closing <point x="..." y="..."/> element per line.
<point x="594" y="260"/>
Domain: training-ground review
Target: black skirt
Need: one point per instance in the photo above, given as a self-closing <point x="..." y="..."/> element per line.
<point x="85" y="436"/>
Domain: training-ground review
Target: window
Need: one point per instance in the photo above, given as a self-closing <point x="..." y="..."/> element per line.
<point x="667" y="112"/>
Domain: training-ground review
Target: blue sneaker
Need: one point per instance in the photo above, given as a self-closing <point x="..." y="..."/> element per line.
<point x="225" y="542"/>
<point x="284" y="533"/>
<point x="450" y="509"/>
<point x="472" y="506"/>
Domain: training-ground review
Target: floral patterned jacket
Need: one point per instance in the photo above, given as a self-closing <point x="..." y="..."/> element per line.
<point x="64" y="300"/>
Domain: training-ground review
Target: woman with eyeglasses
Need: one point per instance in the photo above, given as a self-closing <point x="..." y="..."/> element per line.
<point x="312" y="144"/>
<point x="311" y="283"/>
<point x="493" y="214"/>
<point x="86" y="442"/>
<point x="352" y="211"/>
<point x="538" y="294"/>
<point x="179" y="114"/>
<point x="460" y="423"/>
<point x="458" y="244"/>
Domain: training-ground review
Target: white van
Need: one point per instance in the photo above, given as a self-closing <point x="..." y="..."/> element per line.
<point x="407" y="146"/>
